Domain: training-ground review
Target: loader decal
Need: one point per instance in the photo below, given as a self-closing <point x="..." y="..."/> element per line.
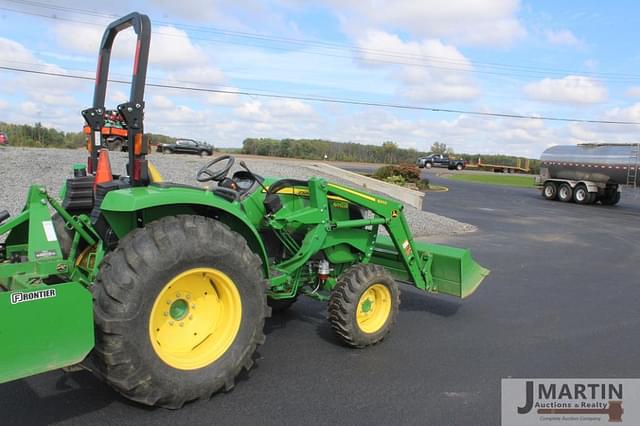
<point x="19" y="297"/>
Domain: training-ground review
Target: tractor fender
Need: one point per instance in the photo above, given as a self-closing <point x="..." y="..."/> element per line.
<point x="127" y="209"/>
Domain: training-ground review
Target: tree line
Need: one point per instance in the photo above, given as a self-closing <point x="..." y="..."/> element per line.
<point x="387" y="153"/>
<point x="44" y="137"/>
<point x="311" y="149"/>
<point x="318" y="149"/>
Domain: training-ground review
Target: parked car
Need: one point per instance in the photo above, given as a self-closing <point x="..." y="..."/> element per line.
<point x="186" y="146"/>
<point x="4" y="140"/>
<point x="440" y="160"/>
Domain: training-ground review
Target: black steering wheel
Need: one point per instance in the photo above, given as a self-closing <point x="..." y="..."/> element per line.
<point x="205" y="174"/>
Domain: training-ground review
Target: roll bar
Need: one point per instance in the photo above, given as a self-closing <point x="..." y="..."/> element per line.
<point x="133" y="110"/>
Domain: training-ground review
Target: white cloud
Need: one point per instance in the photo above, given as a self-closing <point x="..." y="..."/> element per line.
<point x="563" y="38"/>
<point x="278" y="110"/>
<point x="611" y="133"/>
<point x="630" y="113"/>
<point x="12" y="51"/>
<point x="171" y="48"/>
<point x="205" y="74"/>
<point x="161" y="102"/>
<point x="440" y="74"/>
<point x="572" y="89"/>
<point x="479" y="22"/>
<point x="633" y="91"/>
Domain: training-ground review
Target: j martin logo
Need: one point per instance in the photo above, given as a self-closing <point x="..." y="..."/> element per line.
<point x="570" y="401"/>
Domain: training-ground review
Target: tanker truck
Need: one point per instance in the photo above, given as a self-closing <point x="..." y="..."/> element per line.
<point x="589" y="173"/>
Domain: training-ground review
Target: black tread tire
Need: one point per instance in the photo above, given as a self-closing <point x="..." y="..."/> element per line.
<point x="280" y="305"/>
<point x="581" y="187"/>
<point x="129" y="281"/>
<point x="553" y="191"/>
<point x="459" y="166"/>
<point x="610" y="199"/>
<point x="343" y="303"/>
<point x="569" y="197"/>
<point x="428" y="165"/>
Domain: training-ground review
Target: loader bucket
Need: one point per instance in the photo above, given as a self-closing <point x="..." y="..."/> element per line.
<point x="453" y="269"/>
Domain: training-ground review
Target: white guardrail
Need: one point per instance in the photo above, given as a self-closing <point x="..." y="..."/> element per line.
<point x="406" y="195"/>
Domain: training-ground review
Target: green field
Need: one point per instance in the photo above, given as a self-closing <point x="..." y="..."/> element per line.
<point x="521" y="181"/>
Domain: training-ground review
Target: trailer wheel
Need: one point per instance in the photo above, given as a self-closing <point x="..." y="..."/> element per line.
<point x="565" y="193"/>
<point x="610" y="199"/>
<point x="363" y="305"/>
<point x="179" y="311"/>
<point x="550" y="191"/>
<point x="581" y="194"/>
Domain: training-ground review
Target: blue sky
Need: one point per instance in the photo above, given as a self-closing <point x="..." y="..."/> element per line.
<point x="543" y="58"/>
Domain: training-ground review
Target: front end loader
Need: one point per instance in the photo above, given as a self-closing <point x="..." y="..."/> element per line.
<point x="162" y="289"/>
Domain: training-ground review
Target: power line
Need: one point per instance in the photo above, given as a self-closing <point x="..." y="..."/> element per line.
<point x="434" y="62"/>
<point x="332" y="100"/>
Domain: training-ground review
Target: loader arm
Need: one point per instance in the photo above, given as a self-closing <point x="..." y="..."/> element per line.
<point x="434" y="268"/>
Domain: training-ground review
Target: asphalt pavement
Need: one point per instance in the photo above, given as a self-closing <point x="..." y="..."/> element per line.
<point x="561" y="301"/>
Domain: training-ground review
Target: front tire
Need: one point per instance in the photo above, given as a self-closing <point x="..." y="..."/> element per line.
<point x="364" y="305"/>
<point x="459" y="167"/>
<point x="179" y="311"/>
<point x="428" y="165"/>
<point x="550" y="191"/>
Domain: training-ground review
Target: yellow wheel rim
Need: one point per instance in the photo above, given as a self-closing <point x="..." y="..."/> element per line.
<point x="374" y="308"/>
<point x="195" y="318"/>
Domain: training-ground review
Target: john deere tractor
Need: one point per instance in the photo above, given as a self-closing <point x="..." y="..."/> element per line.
<point x="162" y="289"/>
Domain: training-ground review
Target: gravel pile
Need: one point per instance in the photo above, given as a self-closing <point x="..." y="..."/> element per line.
<point x="21" y="167"/>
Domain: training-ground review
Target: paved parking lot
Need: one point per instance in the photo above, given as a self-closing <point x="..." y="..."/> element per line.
<point x="562" y="301"/>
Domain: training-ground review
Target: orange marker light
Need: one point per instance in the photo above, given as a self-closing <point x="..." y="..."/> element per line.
<point x="137" y="144"/>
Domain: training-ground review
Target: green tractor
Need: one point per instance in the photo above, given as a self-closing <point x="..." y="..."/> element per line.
<point x="162" y="289"/>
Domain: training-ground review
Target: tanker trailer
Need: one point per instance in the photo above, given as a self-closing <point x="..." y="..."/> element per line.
<point x="588" y="173"/>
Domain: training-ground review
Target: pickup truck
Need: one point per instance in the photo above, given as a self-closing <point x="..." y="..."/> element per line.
<point x="186" y="146"/>
<point x="439" y="160"/>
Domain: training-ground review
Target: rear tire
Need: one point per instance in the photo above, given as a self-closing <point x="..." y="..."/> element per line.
<point x="610" y="199"/>
<point x="581" y="194"/>
<point x="550" y="191"/>
<point x="459" y="167"/>
<point x="565" y="193"/>
<point x="428" y="165"/>
<point x="364" y="305"/>
<point x="150" y="343"/>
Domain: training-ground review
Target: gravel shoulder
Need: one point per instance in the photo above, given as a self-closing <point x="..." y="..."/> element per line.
<point x="21" y="167"/>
